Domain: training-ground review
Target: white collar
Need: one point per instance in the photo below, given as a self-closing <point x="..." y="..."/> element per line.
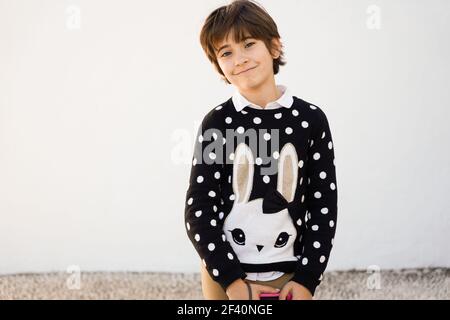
<point x="286" y="100"/>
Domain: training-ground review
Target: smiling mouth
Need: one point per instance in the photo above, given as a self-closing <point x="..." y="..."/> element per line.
<point x="244" y="71"/>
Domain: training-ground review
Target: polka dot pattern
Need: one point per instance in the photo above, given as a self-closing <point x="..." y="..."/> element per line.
<point x="305" y="127"/>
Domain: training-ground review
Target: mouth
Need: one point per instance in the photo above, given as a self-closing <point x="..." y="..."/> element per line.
<point x="244" y="71"/>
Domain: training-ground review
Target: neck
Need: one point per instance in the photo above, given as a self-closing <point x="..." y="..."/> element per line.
<point x="263" y="94"/>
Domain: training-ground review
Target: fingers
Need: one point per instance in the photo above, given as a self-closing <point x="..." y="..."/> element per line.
<point x="284" y="293"/>
<point x="258" y="289"/>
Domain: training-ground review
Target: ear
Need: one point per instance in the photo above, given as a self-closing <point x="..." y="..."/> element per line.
<point x="287" y="172"/>
<point x="243" y="167"/>
<point x="276" y="48"/>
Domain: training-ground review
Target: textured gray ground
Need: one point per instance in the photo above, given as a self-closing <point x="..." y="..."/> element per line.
<point x="400" y="284"/>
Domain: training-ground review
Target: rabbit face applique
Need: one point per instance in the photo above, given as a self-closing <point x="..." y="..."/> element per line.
<point x="259" y="237"/>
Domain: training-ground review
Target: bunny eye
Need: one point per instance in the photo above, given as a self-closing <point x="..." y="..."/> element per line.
<point x="238" y="236"/>
<point x="282" y="240"/>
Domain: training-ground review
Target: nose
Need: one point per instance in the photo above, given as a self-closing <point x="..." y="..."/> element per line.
<point x="240" y="59"/>
<point x="259" y="247"/>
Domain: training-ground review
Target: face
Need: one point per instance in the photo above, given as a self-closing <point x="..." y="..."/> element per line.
<point x="247" y="64"/>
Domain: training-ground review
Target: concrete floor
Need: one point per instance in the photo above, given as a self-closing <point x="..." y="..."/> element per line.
<point x="393" y="284"/>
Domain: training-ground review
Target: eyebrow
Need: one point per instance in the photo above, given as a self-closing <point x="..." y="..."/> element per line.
<point x="227" y="45"/>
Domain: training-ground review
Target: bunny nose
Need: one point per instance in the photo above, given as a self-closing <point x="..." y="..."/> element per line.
<point x="259" y="247"/>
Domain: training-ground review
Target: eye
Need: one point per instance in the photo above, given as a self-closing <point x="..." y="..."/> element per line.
<point x="282" y="239"/>
<point x="223" y="55"/>
<point x="250" y="44"/>
<point x="238" y="236"/>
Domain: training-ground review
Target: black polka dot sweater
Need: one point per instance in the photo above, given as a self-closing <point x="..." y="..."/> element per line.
<point x="262" y="192"/>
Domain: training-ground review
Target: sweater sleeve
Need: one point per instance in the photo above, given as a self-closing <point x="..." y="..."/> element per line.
<point x="321" y="196"/>
<point x="203" y="209"/>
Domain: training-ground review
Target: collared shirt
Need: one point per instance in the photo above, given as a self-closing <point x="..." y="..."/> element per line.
<point x="286" y="100"/>
<point x="240" y="102"/>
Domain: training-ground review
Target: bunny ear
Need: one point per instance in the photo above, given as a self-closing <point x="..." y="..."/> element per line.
<point x="243" y="167"/>
<point x="287" y="172"/>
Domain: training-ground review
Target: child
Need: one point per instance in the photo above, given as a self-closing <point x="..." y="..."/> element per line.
<point x="261" y="206"/>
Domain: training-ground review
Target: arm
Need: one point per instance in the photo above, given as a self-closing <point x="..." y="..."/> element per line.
<point x="321" y="197"/>
<point x="203" y="215"/>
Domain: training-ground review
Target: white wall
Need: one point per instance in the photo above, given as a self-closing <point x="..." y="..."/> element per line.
<point x="97" y="124"/>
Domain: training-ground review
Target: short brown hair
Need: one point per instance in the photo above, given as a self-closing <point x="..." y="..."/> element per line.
<point x="240" y="16"/>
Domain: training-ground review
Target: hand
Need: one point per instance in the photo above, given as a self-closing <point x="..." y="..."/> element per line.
<point x="298" y="291"/>
<point x="238" y="290"/>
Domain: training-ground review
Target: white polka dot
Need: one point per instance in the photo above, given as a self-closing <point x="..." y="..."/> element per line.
<point x="311" y="144"/>
<point x="309" y="180"/>
<point x="212" y="194"/>
<point x="221" y="215"/>
<point x="322" y="259"/>
<point x="305" y="124"/>
<point x="276" y="155"/>
<point x="200" y="179"/>
<point x="231" y="156"/>
<point x="219" y="107"/>
<point x="244" y="112"/>
<point x="331" y="223"/>
<point x="215" y="272"/>
<point x="198" y="213"/>
<point x="323" y="135"/>
<point x="256" y="120"/>
<point x="212" y="155"/>
<point x="211" y="247"/>
<point x="214" y="135"/>
<point x="232" y="197"/>
<point x="217" y="175"/>
<point x="332" y="186"/>
<point x="229" y="179"/>
<point x="301" y="163"/>
<point x="330" y="145"/>
<point x="224" y="238"/>
<point x="313" y="107"/>
<point x="240" y="130"/>
<point x="323" y="175"/>
<point x="317" y="195"/>
<point x="301" y="180"/>
<point x="266" y="179"/>
<point x="299" y="222"/>
<point x="267" y="136"/>
<point x="315" y="227"/>
<point x="258" y="161"/>
<point x="214" y="208"/>
<point x="294" y="113"/>
<point x="277" y="115"/>
<point x="230" y="256"/>
<point x="197" y="237"/>
<point x="305" y="261"/>
<point x="189" y="202"/>
<point x="224" y="140"/>
<point x="228" y="120"/>
<point x="324" y="210"/>
<point x="200" y="138"/>
<point x="316" y="244"/>
<point x="303" y="198"/>
<point x="213" y="222"/>
<point x="194" y="162"/>
<point x="188" y="226"/>
<point x="316" y="156"/>
<point x="288" y="130"/>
